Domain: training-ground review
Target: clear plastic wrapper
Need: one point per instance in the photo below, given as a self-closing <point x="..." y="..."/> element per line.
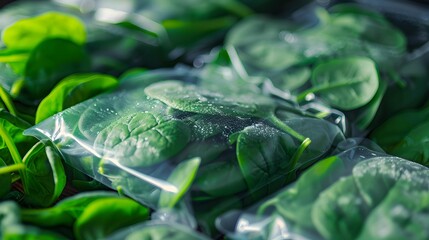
<point x="175" y="140"/>
<point x="358" y="194"/>
<point x="157" y="230"/>
<point x="348" y="56"/>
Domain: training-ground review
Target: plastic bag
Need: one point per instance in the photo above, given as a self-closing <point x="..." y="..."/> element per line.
<point x="360" y="69"/>
<point x="358" y="194"/>
<point x="166" y="133"/>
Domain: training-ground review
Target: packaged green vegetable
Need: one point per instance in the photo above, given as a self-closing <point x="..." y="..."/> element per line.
<point x="358" y="194"/>
<point x="171" y="140"/>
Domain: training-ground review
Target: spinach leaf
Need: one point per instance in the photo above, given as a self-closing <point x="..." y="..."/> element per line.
<point x="415" y="145"/>
<point x="394" y="130"/>
<point x="5" y="179"/>
<point x="44" y="177"/>
<point x="208" y="178"/>
<point x="346" y="83"/>
<point x="45" y="67"/>
<point x="182" y="177"/>
<point x="95" y="222"/>
<point x="66" y="211"/>
<point x="128" y="139"/>
<point x="400" y="215"/>
<point x="72" y="90"/>
<point x="11" y="227"/>
<point x="339" y="211"/>
<point x="296" y="203"/>
<point x="371" y="109"/>
<point x="14" y="127"/>
<point x="264" y="154"/>
<point x="27" y="33"/>
<point x="190" y="98"/>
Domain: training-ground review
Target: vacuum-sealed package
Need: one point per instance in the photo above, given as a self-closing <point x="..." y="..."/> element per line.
<point x="351" y="57"/>
<point x="358" y="194"/>
<point x="176" y="139"/>
<point x="157" y="230"/>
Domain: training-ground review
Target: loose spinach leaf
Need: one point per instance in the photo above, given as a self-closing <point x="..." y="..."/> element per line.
<point x="66" y="211"/>
<point x="45" y="67"/>
<point x="346" y="83"/>
<point x="415" y="145"/>
<point x="11" y="227"/>
<point x="95" y="222"/>
<point x="72" y="90"/>
<point x="26" y="34"/>
<point x="5" y="179"/>
<point x="182" y="177"/>
<point x="392" y="131"/>
<point x="44" y="177"/>
<point x="128" y="139"/>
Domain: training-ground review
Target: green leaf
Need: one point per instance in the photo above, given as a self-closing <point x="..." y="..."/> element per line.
<point x="295" y="203"/>
<point x="72" y="90"/>
<point x="232" y="182"/>
<point x="5" y="180"/>
<point x="345" y="83"/>
<point x="128" y="139"/>
<point x="339" y="211"/>
<point x="44" y="177"/>
<point x="370" y="110"/>
<point x="45" y="67"/>
<point x="104" y="216"/>
<point x="66" y="211"/>
<point x="26" y="34"/>
<point x="389" y="134"/>
<point x="415" y="145"/>
<point x="264" y="154"/>
<point x="401" y="215"/>
<point x="12" y="229"/>
<point x="182" y="177"/>
<point x="190" y="98"/>
<point x="14" y="126"/>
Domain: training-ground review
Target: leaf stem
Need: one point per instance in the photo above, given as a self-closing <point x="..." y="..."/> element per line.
<point x="10" y="145"/>
<point x="325" y="87"/>
<point x="297" y="155"/>
<point x="282" y="126"/>
<point x="12" y="168"/>
<point x="5" y="97"/>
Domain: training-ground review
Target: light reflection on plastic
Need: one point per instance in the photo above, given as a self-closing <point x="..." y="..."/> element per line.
<point x="110" y="15"/>
<point x="62" y="133"/>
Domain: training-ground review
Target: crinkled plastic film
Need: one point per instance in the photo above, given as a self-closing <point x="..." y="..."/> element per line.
<point x="357" y="194"/>
<point x="296" y="54"/>
<point x="173" y="141"/>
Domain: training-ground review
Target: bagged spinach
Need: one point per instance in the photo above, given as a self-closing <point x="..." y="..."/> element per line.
<point x="352" y="58"/>
<point x="358" y="194"/>
<point x="173" y="141"/>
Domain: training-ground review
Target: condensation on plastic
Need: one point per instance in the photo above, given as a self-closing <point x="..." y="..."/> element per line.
<point x="157" y="230"/>
<point x="82" y="132"/>
<point x="251" y="224"/>
<point x="410" y="18"/>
